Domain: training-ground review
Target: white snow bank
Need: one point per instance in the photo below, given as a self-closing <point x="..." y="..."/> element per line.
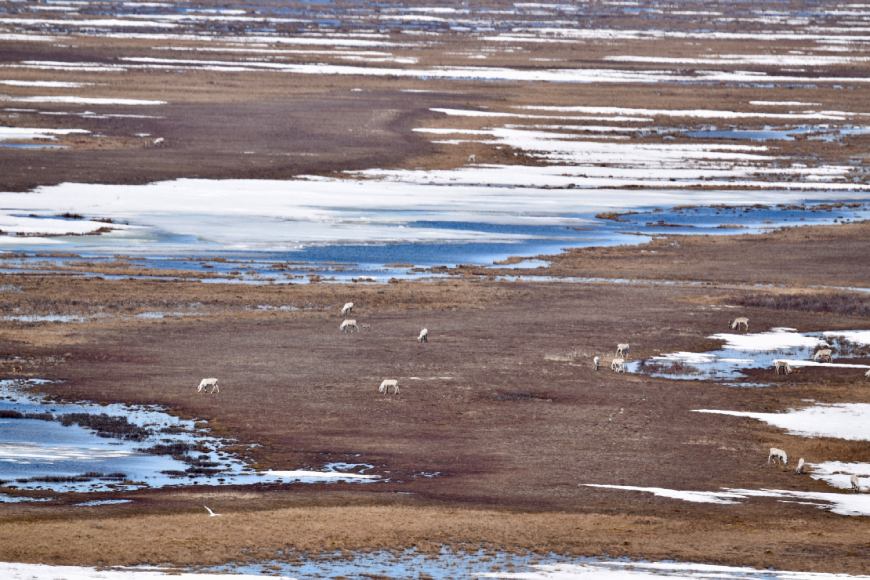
<point x="694" y="113"/>
<point x="722" y="497"/>
<point x="303" y="475"/>
<point x="838" y="474"/>
<point x="26" y="453"/>
<point x="86" y="22"/>
<point x="842" y="421"/>
<point x="861" y="337"/>
<point x="273" y="214"/>
<point x="13" y="571"/>
<point x="810" y="363"/>
<point x="45" y="84"/>
<point x="27" y="133"/>
<point x="846" y="504"/>
<point x="27" y="225"/>
<point x="72" y="100"/>
<point x="699" y="358"/>
<point x="775" y="339"/>
<point x="655" y="571"/>
<point x="783" y="104"/>
<point x="779" y="60"/>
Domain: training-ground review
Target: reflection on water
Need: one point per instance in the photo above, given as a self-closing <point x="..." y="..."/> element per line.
<point x="346" y="262"/>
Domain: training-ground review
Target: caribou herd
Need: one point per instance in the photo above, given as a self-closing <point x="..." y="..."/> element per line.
<point x="347" y="326"/>
<point x="777" y="456"/>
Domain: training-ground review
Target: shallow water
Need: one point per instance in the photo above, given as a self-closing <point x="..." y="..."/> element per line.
<point x="30" y="146"/>
<point x="155" y="450"/>
<point x="346" y="262"/>
<point x="727" y="364"/>
<point x="829" y="133"/>
<point x="449" y="564"/>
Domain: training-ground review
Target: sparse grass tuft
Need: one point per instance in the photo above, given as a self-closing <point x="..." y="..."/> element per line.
<point x="106" y="425"/>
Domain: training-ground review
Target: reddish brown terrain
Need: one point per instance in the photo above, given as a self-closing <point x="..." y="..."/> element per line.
<point x="500" y="420"/>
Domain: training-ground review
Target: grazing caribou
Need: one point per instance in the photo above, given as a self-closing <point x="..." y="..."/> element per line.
<point x="388" y="384"/>
<point x="618" y="365"/>
<point x="349" y="325"/>
<point x="777" y="455"/>
<point x="208" y="383"/>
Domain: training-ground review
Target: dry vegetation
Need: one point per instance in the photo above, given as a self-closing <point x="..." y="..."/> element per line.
<point x="519" y="423"/>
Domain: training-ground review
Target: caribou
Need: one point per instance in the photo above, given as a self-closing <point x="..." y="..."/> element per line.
<point x="782" y="367"/>
<point x="618" y="365"/>
<point x="347" y="309"/>
<point x="824" y="354"/>
<point x="349" y="325"/>
<point x="208" y="383"/>
<point x="622" y="349"/>
<point x="388" y="384"/>
<point x="777" y="455"/>
<point x="740" y="322"/>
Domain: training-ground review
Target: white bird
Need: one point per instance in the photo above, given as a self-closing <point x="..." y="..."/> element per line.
<point x="211" y="514"/>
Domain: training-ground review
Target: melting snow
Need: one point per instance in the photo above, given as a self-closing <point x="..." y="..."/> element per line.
<point x="842" y="421"/>
<point x="847" y="504"/>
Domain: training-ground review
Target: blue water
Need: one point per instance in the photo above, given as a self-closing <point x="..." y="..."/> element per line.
<point x="828" y="133"/>
<point x="471" y="563"/>
<point x="30" y="146"/>
<point x="443" y="565"/>
<point x="382" y="261"/>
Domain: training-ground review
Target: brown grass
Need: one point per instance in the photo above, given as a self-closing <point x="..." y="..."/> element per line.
<point x="849" y="303"/>
<point x="184" y="535"/>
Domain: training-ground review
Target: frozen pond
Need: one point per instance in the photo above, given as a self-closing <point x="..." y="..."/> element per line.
<point x="84" y="447"/>
<point x="404" y="244"/>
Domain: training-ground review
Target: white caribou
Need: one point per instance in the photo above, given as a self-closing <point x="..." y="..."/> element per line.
<point x="349" y="325"/>
<point x="211" y="383"/>
<point x="388" y="384"/>
<point x="824" y="354"/>
<point x="777" y="455"/>
<point x="740" y="322"/>
<point x="618" y="365"/>
<point x="622" y="349"/>
<point x="347" y="309"/>
<point x="782" y="367"/>
<point x="424" y="335"/>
